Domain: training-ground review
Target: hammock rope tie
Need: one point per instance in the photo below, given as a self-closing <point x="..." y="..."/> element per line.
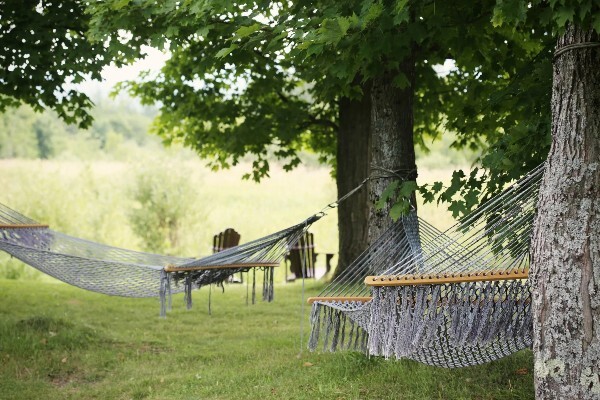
<point x="209" y="299"/>
<point x="452" y="299"/>
<point x="336" y="203"/>
<point x="404" y="174"/>
<point x="575" y="46"/>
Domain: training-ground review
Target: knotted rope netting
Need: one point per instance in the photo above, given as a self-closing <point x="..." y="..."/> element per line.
<point x="450" y="299"/>
<point x="120" y="272"/>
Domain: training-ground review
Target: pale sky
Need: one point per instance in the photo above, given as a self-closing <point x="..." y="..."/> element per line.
<point x="153" y="61"/>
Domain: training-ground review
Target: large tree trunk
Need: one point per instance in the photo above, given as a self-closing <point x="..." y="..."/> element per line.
<point x="353" y="152"/>
<point x="566" y="240"/>
<point x="392" y="145"/>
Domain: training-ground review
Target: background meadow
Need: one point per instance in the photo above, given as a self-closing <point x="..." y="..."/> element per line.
<point x="100" y="201"/>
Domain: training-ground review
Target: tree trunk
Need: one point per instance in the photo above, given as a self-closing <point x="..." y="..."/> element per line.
<point x="566" y="239"/>
<point x="392" y="145"/>
<point x="352" y="168"/>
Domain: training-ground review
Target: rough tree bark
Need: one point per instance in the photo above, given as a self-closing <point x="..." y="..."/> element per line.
<point x="353" y="152"/>
<point x="392" y="144"/>
<point x="566" y="240"/>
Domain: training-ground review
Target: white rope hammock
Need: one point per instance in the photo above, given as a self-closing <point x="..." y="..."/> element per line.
<point x="449" y="299"/>
<point x="120" y="272"/>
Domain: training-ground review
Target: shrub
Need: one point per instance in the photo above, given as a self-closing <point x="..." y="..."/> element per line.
<point x="164" y="198"/>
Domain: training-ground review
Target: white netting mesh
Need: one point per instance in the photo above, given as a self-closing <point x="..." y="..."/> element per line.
<point x="451" y="324"/>
<point x="120" y="272"/>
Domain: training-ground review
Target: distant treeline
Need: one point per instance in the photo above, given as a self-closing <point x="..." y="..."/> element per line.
<point x="25" y="133"/>
<point x="121" y="127"/>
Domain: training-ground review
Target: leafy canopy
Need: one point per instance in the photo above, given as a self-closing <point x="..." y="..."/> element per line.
<point x="250" y="77"/>
<point x="265" y="77"/>
<point x="44" y="52"/>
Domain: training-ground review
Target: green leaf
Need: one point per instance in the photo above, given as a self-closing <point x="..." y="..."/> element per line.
<point x="354" y="21"/>
<point x="584" y="9"/>
<point x="204" y="30"/>
<point x="333" y="30"/>
<point x="246" y="31"/>
<point x="399" y="209"/>
<point x="511" y="12"/>
<point x="457" y="175"/>
<point x="417" y="32"/>
<point x="226" y="51"/>
<point x="427" y="195"/>
<point x="471" y="199"/>
<point x="401" y="81"/>
<point x="275" y="41"/>
<point x="457" y="208"/>
<point x="387" y="194"/>
<point x="344" y="24"/>
<point x="119" y="4"/>
<point x="407" y="188"/>
<point x="455" y="185"/>
<point x="313" y="49"/>
<point x="172" y="31"/>
<point x="373" y="12"/>
<point x="596" y="23"/>
<point x="401" y="12"/>
<point x="564" y="15"/>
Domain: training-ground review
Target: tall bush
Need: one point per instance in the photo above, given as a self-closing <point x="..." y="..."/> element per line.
<point x="163" y="204"/>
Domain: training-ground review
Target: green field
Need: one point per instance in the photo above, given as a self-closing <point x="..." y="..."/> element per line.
<point x="94" y="201"/>
<point x="60" y="342"/>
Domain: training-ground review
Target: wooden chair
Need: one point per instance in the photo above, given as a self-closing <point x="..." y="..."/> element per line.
<point x="224" y="240"/>
<point x="302" y="258"/>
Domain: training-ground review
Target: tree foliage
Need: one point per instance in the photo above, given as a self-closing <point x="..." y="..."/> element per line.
<point x="27" y="134"/>
<point x="44" y="51"/>
<point x="219" y="98"/>
<point x="265" y="78"/>
<point x="250" y="77"/>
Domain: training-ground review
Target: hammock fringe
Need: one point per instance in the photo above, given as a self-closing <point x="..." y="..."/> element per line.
<point x="406" y="319"/>
<point x="335" y="330"/>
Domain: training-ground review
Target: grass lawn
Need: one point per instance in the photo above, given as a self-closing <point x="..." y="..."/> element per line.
<point x="60" y="342"/>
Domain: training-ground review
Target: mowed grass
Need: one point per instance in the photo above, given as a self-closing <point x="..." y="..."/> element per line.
<point x="60" y="342"/>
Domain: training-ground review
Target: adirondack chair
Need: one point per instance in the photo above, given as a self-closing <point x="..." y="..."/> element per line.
<point x="301" y="259"/>
<point x="224" y="240"/>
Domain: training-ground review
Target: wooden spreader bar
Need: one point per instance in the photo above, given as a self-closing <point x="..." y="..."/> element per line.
<point x="22" y="226"/>
<point x="440" y="279"/>
<point x="349" y="299"/>
<point x="174" y="268"/>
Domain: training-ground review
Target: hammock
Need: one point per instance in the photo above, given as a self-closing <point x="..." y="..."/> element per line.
<point x="120" y="272"/>
<point x="451" y="299"/>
